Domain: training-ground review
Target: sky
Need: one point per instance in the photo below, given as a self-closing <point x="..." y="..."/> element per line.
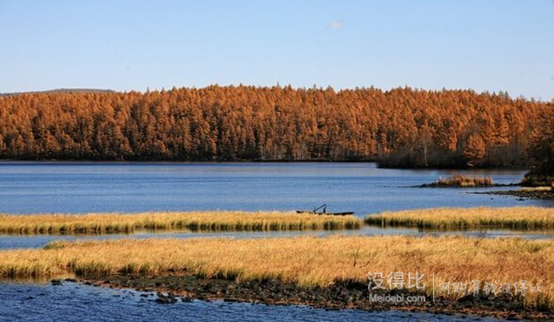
<point x="493" y="45"/>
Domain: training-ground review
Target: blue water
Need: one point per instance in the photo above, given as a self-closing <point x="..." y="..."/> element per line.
<point x="39" y="241"/>
<point x="74" y="302"/>
<point x="135" y="187"/>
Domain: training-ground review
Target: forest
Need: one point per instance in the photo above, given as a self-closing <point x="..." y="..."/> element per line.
<point x="402" y="127"/>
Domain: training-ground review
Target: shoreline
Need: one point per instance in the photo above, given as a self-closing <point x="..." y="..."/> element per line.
<point x="171" y="289"/>
<point x="435" y="185"/>
<point x="521" y="194"/>
<point x="376" y="162"/>
<point x="331" y="272"/>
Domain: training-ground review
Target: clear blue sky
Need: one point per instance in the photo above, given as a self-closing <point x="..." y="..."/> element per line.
<point x="134" y="45"/>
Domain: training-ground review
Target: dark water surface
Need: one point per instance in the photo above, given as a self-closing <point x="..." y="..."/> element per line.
<point x="134" y="187"/>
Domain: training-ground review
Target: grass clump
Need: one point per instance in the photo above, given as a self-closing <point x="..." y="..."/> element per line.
<point x="461" y="181"/>
<point x="518" y="218"/>
<point x="538" y="179"/>
<point x="306" y="261"/>
<point x="532" y="189"/>
<point x="196" y="221"/>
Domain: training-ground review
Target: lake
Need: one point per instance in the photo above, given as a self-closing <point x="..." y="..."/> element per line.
<point x="65" y="187"/>
<point x="135" y="187"/>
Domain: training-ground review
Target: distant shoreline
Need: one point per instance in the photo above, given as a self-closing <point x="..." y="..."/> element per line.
<point x="87" y="161"/>
<point x="522" y="194"/>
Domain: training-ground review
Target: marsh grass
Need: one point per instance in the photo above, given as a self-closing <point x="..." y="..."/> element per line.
<point x="537" y="188"/>
<point x="306" y="261"/>
<point x="195" y="221"/>
<point x="463" y="182"/>
<point x="518" y="218"/>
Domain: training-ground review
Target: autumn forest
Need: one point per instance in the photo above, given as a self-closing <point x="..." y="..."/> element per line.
<point x="399" y="128"/>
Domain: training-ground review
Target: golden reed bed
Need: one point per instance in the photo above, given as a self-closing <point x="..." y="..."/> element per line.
<point x="307" y="261"/>
<point x="463" y="181"/>
<point x="206" y="221"/>
<point x="521" y="218"/>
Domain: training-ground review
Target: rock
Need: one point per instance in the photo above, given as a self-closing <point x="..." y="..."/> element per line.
<point x="166" y="300"/>
<point x="71" y="280"/>
<point x="56" y="282"/>
<point x="186" y="299"/>
<point x="230" y="300"/>
<point x="163" y="299"/>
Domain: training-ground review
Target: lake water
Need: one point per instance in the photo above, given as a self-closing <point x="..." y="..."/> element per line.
<point x="135" y="187"/>
<point x="72" y="302"/>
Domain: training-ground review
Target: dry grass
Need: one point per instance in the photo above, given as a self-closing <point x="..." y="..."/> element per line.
<point x="212" y="221"/>
<point x="520" y="218"/>
<point x="464" y="181"/>
<point x="537" y="188"/>
<point x="308" y="261"/>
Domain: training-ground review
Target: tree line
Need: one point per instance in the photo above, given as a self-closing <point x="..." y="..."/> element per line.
<point x="541" y="149"/>
<point x="402" y="127"/>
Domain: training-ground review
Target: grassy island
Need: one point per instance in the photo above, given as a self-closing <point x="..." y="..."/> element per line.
<point x="306" y="264"/>
<point x="196" y="221"/>
<point x="460" y="181"/>
<point x="519" y="218"/>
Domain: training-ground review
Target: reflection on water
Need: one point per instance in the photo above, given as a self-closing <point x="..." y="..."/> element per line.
<point x="75" y="302"/>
